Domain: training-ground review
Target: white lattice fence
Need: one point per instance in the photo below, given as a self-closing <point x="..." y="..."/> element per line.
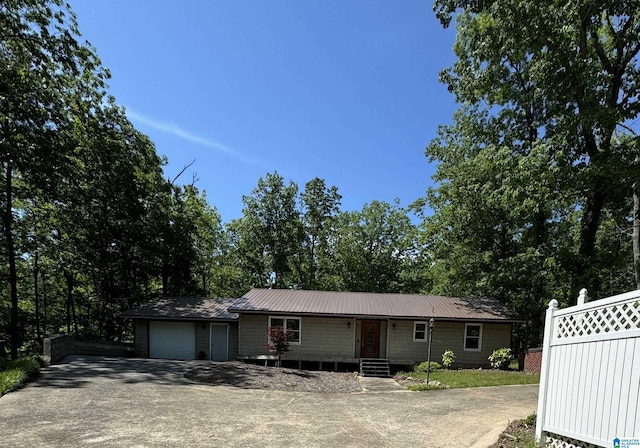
<point x="601" y="320"/>
<point x="555" y="441"/>
<point x="590" y="378"/>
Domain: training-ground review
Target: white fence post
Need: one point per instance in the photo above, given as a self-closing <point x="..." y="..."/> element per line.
<point x="544" y="371"/>
<point x="583" y="298"/>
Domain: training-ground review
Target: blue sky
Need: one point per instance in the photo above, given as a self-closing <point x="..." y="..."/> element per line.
<point x="345" y="91"/>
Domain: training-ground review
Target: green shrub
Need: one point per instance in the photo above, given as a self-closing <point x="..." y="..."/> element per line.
<point x="30" y="348"/>
<point x="447" y="358"/>
<point x="11" y="380"/>
<point x="30" y="366"/>
<point x="501" y="358"/>
<point x="531" y="420"/>
<point x="14" y="374"/>
<point x="422" y="367"/>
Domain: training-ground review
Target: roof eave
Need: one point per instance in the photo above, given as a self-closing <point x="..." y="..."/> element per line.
<point x="379" y="316"/>
<point x="190" y="318"/>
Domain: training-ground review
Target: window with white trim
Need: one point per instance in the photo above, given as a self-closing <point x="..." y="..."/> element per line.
<point x="472" y="337"/>
<point x="288" y="323"/>
<point x="420" y="331"/>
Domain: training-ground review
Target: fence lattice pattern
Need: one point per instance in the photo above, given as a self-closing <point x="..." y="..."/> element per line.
<point x="556" y="441"/>
<point x="617" y="317"/>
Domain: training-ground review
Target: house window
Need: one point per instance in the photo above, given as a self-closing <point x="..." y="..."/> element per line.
<point x="420" y="331"/>
<point x="473" y="337"/>
<point x="292" y="323"/>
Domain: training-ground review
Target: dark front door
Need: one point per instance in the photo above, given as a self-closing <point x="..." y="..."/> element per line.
<point x="370" y="339"/>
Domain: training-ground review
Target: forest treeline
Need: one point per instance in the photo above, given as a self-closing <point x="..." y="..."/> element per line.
<point x="535" y="194"/>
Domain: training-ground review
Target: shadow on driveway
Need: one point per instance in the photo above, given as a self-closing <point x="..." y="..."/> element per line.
<point x="78" y="371"/>
<point x="148" y="402"/>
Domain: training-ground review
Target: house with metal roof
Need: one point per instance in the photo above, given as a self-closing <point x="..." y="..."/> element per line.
<point x="334" y="328"/>
<point x="185" y="328"/>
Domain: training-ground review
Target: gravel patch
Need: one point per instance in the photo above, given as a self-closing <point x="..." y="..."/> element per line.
<point x="251" y="376"/>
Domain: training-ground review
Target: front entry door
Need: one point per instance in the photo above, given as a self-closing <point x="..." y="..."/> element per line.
<point x="370" y="339"/>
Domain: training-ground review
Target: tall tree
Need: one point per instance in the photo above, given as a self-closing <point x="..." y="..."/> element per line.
<point x="270" y="232"/>
<point x="113" y="200"/>
<point x="549" y="85"/>
<point x="372" y="248"/>
<point x="496" y="221"/>
<point x="46" y="73"/>
<point x="320" y="205"/>
<point x="191" y="242"/>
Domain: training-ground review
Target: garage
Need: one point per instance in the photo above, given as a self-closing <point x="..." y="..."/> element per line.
<point x="172" y="340"/>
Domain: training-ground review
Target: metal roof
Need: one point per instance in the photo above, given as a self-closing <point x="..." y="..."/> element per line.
<point x="186" y="308"/>
<point x="286" y="301"/>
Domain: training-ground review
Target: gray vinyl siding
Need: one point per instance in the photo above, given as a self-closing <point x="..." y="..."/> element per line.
<point x="233" y="340"/>
<point x="141" y="338"/>
<point x="446" y="335"/>
<point x="319" y="336"/>
<point x="202" y="340"/>
<point x="383" y="339"/>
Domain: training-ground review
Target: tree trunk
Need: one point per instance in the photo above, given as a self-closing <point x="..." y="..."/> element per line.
<point x="36" y="297"/>
<point x="69" y="302"/>
<point x="11" y="254"/>
<point x="586" y="256"/>
<point x="44" y="305"/>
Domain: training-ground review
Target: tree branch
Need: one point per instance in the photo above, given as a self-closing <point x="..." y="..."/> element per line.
<point x="182" y="171"/>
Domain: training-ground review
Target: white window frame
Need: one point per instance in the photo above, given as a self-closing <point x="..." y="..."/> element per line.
<point x="284" y="321"/>
<point x="426" y="330"/>
<point x="466" y="326"/>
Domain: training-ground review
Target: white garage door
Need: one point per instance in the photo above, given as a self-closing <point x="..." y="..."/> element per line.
<point x="172" y="340"/>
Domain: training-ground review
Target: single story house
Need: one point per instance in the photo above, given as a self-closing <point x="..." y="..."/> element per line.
<point x="338" y="327"/>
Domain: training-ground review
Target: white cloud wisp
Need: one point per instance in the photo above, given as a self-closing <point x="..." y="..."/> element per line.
<point x="181" y="133"/>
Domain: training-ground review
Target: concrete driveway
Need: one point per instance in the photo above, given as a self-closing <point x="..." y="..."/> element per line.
<point x="91" y="401"/>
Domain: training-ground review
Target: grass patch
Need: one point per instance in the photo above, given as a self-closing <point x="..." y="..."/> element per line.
<point x="422" y="386"/>
<point x="11" y="380"/>
<point x="29" y="365"/>
<point x="14" y="374"/>
<point x="471" y="378"/>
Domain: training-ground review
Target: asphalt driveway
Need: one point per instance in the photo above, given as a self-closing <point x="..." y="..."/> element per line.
<point x="92" y="401"/>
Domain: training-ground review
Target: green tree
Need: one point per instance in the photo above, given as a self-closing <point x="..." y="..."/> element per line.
<point x="270" y="232"/>
<point x="564" y="76"/>
<point x="372" y="248"/>
<point x="320" y="205"/>
<point x="231" y="276"/>
<point x="493" y="230"/>
<point x="192" y="242"/>
<point x="47" y="74"/>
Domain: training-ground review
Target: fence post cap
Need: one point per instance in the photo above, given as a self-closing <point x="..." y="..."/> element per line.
<point x="582" y="297"/>
<point x="553" y="304"/>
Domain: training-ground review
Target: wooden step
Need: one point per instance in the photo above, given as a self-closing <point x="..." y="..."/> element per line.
<point x="375" y="367"/>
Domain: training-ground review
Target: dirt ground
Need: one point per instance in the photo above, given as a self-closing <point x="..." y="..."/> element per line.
<point x="251" y="376"/>
<point x="516" y="434"/>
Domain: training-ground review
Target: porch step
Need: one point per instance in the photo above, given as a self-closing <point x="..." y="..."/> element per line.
<point x="375" y="367"/>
